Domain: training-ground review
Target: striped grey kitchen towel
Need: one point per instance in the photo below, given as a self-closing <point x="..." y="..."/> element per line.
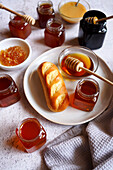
<point x="84" y="147"/>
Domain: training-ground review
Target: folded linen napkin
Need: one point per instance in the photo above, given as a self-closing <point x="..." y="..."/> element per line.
<point x="84" y="147"/>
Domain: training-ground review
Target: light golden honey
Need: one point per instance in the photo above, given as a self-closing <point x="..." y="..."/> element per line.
<point x="81" y="57"/>
<point x="71" y="13"/>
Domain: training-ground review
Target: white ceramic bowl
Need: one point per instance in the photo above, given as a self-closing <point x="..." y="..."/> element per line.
<point x="10" y="42"/>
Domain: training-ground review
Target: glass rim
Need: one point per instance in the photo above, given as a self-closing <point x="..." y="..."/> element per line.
<point x="45" y="1"/>
<point x="86" y="96"/>
<point x="10" y="78"/>
<point x="26" y="120"/>
<point x="54" y="20"/>
<point x="61" y="56"/>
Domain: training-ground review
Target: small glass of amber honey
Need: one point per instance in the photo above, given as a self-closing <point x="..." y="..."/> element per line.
<point x="18" y="26"/>
<point x="45" y="11"/>
<point x="31" y="134"/>
<point x="9" y="93"/>
<point x="54" y="33"/>
<point x="86" y="94"/>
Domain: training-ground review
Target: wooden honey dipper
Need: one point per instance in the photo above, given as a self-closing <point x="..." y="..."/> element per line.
<point x="94" y="20"/>
<point x="27" y="18"/>
<point x="77" y="65"/>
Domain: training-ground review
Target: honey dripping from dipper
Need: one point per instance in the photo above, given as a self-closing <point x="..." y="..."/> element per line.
<point x="70" y="64"/>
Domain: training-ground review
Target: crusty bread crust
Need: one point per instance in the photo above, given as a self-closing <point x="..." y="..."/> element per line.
<point x="54" y="87"/>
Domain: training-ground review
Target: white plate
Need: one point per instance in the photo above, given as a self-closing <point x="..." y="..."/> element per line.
<point x="71" y="116"/>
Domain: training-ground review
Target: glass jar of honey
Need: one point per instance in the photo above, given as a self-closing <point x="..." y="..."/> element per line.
<point x="86" y="94"/>
<point x="19" y="27"/>
<point x="31" y="134"/>
<point x="54" y="33"/>
<point x="9" y="93"/>
<point x="45" y="11"/>
<point x="92" y="34"/>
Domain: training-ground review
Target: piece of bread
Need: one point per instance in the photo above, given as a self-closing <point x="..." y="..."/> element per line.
<point x="54" y="87"/>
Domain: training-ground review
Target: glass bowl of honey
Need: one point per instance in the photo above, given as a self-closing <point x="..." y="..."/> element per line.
<point x="73" y="58"/>
<point x="14" y="53"/>
<point x="72" y="12"/>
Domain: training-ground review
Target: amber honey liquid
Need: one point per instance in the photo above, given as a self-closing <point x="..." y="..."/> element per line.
<point x="19" y="28"/>
<point x="85" y="97"/>
<point x="45" y="12"/>
<point x="31" y="134"/>
<point x="29" y="130"/>
<point x="85" y="59"/>
<point x="4" y="83"/>
<point x="9" y="93"/>
<point x="54" y="37"/>
<point x="88" y="88"/>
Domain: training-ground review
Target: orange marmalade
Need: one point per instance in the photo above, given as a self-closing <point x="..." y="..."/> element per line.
<point x="12" y="56"/>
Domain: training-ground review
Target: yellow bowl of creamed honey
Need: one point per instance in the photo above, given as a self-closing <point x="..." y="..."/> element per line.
<point x="72" y="13"/>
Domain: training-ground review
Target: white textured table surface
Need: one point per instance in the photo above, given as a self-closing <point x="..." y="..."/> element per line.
<point x="11" y="156"/>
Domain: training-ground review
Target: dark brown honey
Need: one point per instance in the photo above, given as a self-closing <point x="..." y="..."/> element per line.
<point x="86" y="94"/>
<point x="9" y="93"/>
<point x="45" y="12"/>
<point x="19" y="28"/>
<point x="54" y="33"/>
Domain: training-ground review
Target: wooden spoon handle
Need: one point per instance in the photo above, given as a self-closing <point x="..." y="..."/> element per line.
<point x="103" y="19"/>
<point x="27" y="18"/>
<point x="98" y="76"/>
<point x="7" y="9"/>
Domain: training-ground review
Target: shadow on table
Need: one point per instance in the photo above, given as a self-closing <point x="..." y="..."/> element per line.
<point x="14" y="142"/>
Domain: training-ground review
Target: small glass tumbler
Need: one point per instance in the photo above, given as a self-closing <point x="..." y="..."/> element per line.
<point x="31" y="134"/>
